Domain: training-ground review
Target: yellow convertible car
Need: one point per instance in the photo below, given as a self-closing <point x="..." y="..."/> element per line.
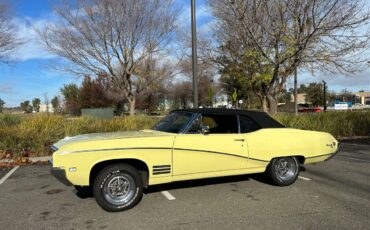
<point x="185" y="145"/>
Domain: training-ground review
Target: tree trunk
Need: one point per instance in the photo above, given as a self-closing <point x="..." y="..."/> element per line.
<point x="264" y="104"/>
<point x="272" y="104"/>
<point x="248" y="102"/>
<point x="263" y="101"/>
<point x="132" y="103"/>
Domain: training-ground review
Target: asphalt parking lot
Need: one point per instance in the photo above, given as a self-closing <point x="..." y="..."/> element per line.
<point x="330" y="195"/>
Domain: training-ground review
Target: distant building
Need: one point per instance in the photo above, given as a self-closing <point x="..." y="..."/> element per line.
<point x="356" y="98"/>
<point x="46" y="108"/>
<point x="301" y="98"/>
<point x="221" y="101"/>
<point x="364" y="98"/>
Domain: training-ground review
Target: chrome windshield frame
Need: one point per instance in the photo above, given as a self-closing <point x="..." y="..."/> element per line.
<point x="187" y="127"/>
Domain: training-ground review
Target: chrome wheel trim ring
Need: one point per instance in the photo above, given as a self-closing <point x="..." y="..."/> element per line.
<point x="119" y="189"/>
<point x="286" y="169"/>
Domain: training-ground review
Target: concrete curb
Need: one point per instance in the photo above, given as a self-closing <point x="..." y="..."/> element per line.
<point x="353" y="138"/>
<point x="29" y="159"/>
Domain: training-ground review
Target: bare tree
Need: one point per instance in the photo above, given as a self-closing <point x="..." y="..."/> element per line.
<point x="180" y="94"/>
<point x="111" y="37"/>
<point x="8" y="37"/>
<point x="154" y="72"/>
<point x="206" y="73"/>
<point x="153" y="76"/>
<point x="278" y="36"/>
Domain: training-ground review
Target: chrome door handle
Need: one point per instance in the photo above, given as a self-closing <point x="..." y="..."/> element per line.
<point x="242" y="140"/>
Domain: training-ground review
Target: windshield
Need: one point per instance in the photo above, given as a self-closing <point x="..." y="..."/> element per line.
<point x="175" y="122"/>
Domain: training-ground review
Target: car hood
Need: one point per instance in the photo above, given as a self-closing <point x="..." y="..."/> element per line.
<point x="109" y="136"/>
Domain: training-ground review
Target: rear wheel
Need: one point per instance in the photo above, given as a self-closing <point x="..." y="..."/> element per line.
<point x="283" y="171"/>
<point x="118" y="187"/>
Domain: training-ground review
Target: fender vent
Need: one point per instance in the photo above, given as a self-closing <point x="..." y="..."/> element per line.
<point x="161" y="169"/>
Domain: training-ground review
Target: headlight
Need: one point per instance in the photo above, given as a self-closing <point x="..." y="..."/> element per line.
<point x="53" y="148"/>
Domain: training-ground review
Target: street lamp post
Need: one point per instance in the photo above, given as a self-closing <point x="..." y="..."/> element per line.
<point x="295" y="92"/>
<point x="194" y="54"/>
<point x="324" y="95"/>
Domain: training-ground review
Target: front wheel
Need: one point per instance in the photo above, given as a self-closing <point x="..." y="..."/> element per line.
<point x="118" y="187"/>
<point x="283" y="171"/>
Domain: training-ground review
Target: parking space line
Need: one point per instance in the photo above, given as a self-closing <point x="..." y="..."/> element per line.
<point x="2" y="180"/>
<point x="303" y="178"/>
<point x="168" y="195"/>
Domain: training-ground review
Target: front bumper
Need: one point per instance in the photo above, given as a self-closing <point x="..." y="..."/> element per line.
<point x="335" y="153"/>
<point x="60" y="174"/>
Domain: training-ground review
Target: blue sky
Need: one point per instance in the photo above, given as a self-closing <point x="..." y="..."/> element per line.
<point x="31" y="75"/>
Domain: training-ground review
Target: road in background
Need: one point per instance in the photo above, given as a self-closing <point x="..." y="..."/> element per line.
<point x="337" y="196"/>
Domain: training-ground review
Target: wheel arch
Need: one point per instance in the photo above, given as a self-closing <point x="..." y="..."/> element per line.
<point x="301" y="159"/>
<point x="140" y="165"/>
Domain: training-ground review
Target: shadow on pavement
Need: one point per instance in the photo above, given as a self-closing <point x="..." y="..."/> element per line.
<point x="84" y="192"/>
<point x="209" y="181"/>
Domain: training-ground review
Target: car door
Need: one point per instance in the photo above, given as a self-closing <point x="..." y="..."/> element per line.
<point x="253" y="140"/>
<point x="221" y="149"/>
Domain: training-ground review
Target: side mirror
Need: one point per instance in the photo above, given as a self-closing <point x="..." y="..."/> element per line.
<point x="204" y="129"/>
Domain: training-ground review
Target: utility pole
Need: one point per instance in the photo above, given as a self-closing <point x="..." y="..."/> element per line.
<point x="295" y="92"/>
<point x="194" y="54"/>
<point x="324" y="95"/>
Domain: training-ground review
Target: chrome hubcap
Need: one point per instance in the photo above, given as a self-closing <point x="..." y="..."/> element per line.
<point x="119" y="189"/>
<point x="285" y="169"/>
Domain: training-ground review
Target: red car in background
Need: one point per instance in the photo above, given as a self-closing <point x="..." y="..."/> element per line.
<point x="311" y="110"/>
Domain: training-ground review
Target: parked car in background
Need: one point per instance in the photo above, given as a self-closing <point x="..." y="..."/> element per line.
<point x="311" y="110"/>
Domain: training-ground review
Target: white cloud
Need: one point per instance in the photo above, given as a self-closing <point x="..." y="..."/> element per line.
<point x="32" y="48"/>
<point x="203" y="13"/>
<point x="6" y="89"/>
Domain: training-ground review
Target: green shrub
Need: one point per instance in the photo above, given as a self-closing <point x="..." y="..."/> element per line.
<point x="339" y="124"/>
<point x="41" y="131"/>
<point x="76" y="126"/>
<point x="7" y="120"/>
<point x="11" y="142"/>
<point x="34" y="135"/>
<point x="91" y="125"/>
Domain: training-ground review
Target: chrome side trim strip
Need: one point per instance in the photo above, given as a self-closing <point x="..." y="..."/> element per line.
<point x="112" y="149"/>
<point x="160" y="148"/>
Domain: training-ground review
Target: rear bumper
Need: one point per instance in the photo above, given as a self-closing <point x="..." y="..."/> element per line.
<point x="60" y="174"/>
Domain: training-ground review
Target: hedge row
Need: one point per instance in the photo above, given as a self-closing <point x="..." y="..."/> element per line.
<point x="32" y="136"/>
<point x="339" y="124"/>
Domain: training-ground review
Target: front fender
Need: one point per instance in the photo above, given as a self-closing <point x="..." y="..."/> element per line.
<point x="78" y="166"/>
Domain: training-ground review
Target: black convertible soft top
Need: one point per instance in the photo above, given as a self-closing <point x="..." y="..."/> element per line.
<point x="261" y="118"/>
